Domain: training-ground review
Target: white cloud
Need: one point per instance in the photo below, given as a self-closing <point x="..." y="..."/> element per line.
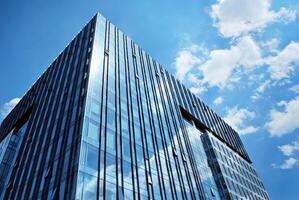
<point x="284" y="122"/>
<point x="282" y="103"/>
<point x="198" y="90"/>
<point x="255" y="97"/>
<point x="8" y="106"/>
<point x="223" y="65"/>
<point x="193" y="79"/>
<point x="295" y="89"/>
<point x="261" y="89"/>
<point x="234" y="17"/>
<point x="185" y="61"/>
<point x="283" y="64"/>
<point x="289" y="149"/>
<point x="218" y="101"/>
<point x="197" y="86"/>
<point x="288" y="164"/>
<point x="237" y="119"/>
<point x="271" y="45"/>
<point x="263" y="86"/>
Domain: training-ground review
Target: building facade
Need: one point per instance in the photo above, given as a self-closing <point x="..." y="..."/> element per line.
<point x="106" y="121"/>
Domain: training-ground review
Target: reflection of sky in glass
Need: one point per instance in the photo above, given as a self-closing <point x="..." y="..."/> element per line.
<point x="8" y="153"/>
<point x="87" y="177"/>
<point x="201" y="159"/>
<point x="240" y="177"/>
<point x="155" y="147"/>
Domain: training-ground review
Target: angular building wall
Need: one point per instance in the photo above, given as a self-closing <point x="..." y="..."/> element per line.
<point x="106" y="121"/>
<point x="47" y="161"/>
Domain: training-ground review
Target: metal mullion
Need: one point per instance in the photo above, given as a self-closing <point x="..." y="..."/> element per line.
<point x="34" y="115"/>
<point x="200" y="111"/>
<point x="65" y="100"/>
<point x="175" y="87"/>
<point x="128" y="91"/>
<point x="125" y="52"/>
<point x="226" y="131"/>
<point x="214" y="121"/>
<point x="179" y="117"/>
<point x="62" y="100"/>
<point x="183" y="95"/>
<point x="140" y="111"/>
<point x="118" y="132"/>
<point x="189" y="100"/>
<point x="105" y="98"/>
<point x="172" y="106"/>
<point x="166" y="89"/>
<point x="205" y="112"/>
<point x="142" y="67"/>
<point x="120" y="40"/>
<point x="44" y="154"/>
<point x="79" y="52"/>
<point x="73" y="164"/>
<point x="167" y="160"/>
<point x="103" y="89"/>
<point x="219" y="123"/>
<point x="143" y="129"/>
<point x="194" y="105"/>
<point x="40" y="87"/>
<point x="154" y="134"/>
<point x="28" y="146"/>
<point x="36" y="161"/>
<point x="177" y="163"/>
<point x="197" y="109"/>
<point x="150" y="63"/>
<point x="132" y="120"/>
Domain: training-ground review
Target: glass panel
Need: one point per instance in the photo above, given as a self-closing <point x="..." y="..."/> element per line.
<point x="95" y="107"/>
<point x="93" y="131"/>
<point x="91" y="160"/>
<point x="110" y="141"/>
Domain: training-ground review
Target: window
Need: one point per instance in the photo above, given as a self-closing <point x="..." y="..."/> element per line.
<point x="110" y="141"/>
<point x="126" y="148"/>
<point x="90" y="187"/>
<point x="95" y="107"/>
<point x="111" y="118"/>
<point x="93" y="131"/>
<point x="92" y="157"/>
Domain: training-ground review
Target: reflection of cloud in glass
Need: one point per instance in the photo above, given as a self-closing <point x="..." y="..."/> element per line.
<point x="201" y="159"/>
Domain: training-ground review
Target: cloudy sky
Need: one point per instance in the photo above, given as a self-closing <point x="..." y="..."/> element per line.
<point x="240" y="56"/>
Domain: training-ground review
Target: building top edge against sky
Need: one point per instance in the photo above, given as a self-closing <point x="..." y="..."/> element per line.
<point x="211" y="122"/>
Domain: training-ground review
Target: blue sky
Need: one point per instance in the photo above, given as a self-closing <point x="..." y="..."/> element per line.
<point x="240" y="57"/>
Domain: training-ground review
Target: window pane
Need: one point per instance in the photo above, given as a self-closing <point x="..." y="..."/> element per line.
<point x="95" y="107"/>
<point x="92" y="157"/>
<point x="111" y="118"/>
<point x="126" y="148"/>
<point x="110" y="141"/>
<point x="93" y="131"/>
<point x="90" y="187"/>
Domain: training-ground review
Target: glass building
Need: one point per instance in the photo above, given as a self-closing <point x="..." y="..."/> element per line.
<point x="107" y="121"/>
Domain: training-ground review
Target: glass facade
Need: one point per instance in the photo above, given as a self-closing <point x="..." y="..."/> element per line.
<point x="236" y="178"/>
<point x="195" y="137"/>
<point x="8" y="151"/>
<point x="107" y="121"/>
